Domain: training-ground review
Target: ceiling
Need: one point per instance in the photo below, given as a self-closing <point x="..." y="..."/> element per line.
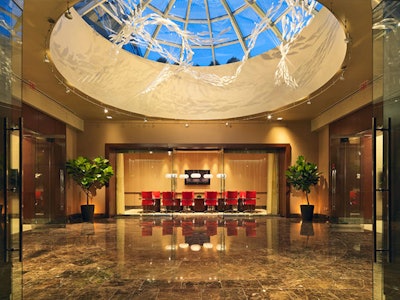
<point x="355" y="16"/>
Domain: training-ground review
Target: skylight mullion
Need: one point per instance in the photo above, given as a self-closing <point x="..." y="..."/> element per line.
<point x="210" y="31"/>
<point x="185" y="24"/>
<point x="112" y="15"/>
<point x="158" y="28"/>
<point x="235" y="25"/>
<point x="89" y="7"/>
<point x="262" y="15"/>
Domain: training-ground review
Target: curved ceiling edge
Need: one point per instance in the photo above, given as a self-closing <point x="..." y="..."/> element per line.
<point x="117" y="78"/>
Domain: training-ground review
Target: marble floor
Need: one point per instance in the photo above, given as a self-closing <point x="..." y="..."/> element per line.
<point x="197" y="257"/>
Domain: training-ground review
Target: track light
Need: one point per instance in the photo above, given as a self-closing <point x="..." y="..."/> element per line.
<point x="68" y="14"/>
<point x="46" y="59"/>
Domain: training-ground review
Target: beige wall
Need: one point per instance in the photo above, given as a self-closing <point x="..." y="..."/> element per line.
<point x="91" y="142"/>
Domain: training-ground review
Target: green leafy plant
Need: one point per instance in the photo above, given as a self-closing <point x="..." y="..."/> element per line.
<point x="302" y="175"/>
<point x="90" y="175"/>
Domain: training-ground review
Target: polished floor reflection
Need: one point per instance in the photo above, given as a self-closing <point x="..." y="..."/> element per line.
<point x="198" y="257"/>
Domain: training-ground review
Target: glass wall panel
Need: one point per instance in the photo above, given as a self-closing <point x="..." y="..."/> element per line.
<point x="217" y="170"/>
<point x="386" y="17"/>
<point x="10" y="171"/>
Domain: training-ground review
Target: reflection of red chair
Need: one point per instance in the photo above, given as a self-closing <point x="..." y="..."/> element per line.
<point x="250" y="226"/>
<point x="212" y="227"/>
<point x="187" y="227"/>
<point x="147" y="201"/>
<point x="167" y="227"/>
<point x="187" y="200"/>
<point x="231" y="227"/>
<point x="211" y="199"/>
<point x="231" y="200"/>
<point x="250" y="200"/>
<point x="147" y="228"/>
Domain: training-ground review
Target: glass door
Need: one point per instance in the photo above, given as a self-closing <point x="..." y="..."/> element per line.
<point x="346" y="179"/>
<point x="11" y="221"/>
<point x="386" y="95"/>
<point x="43" y="190"/>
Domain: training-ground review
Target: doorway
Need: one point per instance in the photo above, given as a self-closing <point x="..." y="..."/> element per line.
<point x="351" y="180"/>
<point x="44" y="199"/>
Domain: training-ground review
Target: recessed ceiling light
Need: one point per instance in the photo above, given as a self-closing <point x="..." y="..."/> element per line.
<point x="109" y="117"/>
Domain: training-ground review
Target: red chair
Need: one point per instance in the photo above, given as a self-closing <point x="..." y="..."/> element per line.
<point x="250" y="200"/>
<point x="168" y="200"/>
<point x="187" y="200"/>
<point x="157" y="200"/>
<point x="242" y="197"/>
<point x="211" y="199"/>
<point x="147" y="201"/>
<point x="231" y="200"/>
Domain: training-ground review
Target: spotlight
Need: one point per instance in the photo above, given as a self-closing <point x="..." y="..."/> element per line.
<point x="105" y="110"/>
<point x="67" y="90"/>
<point x="269" y="117"/>
<point x="342" y="76"/>
<point x="309" y="102"/>
<point x="46" y="59"/>
<point x="68" y="14"/>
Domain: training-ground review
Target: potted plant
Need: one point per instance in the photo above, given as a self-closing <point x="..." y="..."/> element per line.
<point x="90" y="175"/>
<point x="302" y="175"/>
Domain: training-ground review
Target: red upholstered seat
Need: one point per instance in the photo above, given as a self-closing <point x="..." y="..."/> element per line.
<point x="211" y="198"/>
<point x="187" y="198"/>
<point x="231" y="198"/>
<point x="156" y="194"/>
<point x="250" y="198"/>
<point x="249" y="202"/>
<point x="168" y="198"/>
<point x="147" y="198"/>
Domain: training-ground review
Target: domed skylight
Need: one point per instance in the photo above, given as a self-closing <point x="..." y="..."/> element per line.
<point x="200" y="32"/>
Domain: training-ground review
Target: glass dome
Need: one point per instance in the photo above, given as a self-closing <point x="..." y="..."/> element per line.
<point x="214" y="31"/>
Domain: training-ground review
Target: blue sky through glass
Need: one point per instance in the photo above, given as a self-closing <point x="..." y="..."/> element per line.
<point x="227" y="23"/>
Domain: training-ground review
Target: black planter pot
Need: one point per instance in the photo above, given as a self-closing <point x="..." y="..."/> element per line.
<point x="307" y="212"/>
<point x="87" y="212"/>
